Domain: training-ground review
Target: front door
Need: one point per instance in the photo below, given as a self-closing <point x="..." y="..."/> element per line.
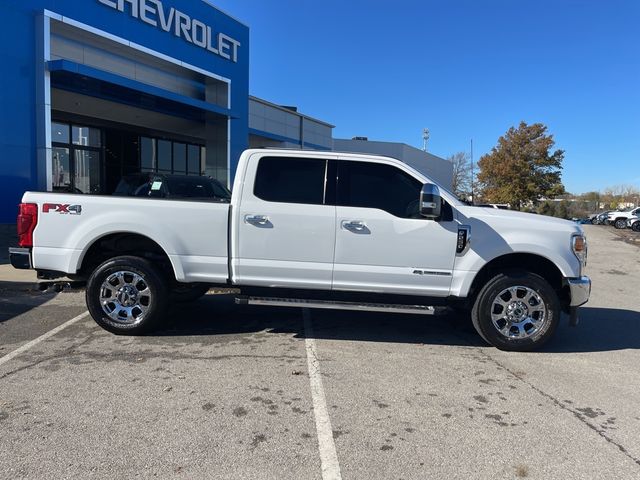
<point x="382" y="243"/>
<point x="286" y="226"/>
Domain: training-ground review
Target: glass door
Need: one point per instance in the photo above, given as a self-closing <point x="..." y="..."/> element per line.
<point x="76" y="158"/>
<point x="87" y="177"/>
<point x="61" y="169"/>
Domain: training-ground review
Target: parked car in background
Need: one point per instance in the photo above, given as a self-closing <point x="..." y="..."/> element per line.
<point x="602" y="218"/>
<point x="619" y="218"/>
<point x="174" y="187"/>
<point x="634" y="224"/>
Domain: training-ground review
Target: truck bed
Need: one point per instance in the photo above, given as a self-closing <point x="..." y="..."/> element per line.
<point x="192" y="233"/>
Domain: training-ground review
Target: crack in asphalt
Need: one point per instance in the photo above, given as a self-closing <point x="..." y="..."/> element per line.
<point x="112" y="356"/>
<point x="561" y="405"/>
<point x="63" y="354"/>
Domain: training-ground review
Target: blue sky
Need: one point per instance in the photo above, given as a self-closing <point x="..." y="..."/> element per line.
<point x="464" y="69"/>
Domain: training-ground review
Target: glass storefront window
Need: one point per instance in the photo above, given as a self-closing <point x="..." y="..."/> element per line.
<point x="76" y="158"/>
<point x="193" y="159"/>
<point x="86" y="136"/>
<point x="87" y="171"/>
<point x="59" y="132"/>
<point x="179" y="158"/>
<point x="164" y="156"/>
<point x="61" y="171"/>
<point x="147" y="154"/>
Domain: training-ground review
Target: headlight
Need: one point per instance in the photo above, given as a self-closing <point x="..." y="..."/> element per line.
<point x="579" y="247"/>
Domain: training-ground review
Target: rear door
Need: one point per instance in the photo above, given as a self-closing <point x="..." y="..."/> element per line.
<point x="382" y="243"/>
<point x="285" y="225"/>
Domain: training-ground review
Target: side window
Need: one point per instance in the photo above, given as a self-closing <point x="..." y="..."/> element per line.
<point x="375" y="185"/>
<point x="290" y="180"/>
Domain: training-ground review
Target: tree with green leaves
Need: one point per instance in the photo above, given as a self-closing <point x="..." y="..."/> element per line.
<point x="521" y="168"/>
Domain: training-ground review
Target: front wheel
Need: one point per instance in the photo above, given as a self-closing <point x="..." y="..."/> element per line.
<point x="516" y="311"/>
<point x="635" y="226"/>
<point x="127" y="295"/>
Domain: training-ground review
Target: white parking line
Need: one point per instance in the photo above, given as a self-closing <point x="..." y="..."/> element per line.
<point x="41" y="338"/>
<point x="328" y="455"/>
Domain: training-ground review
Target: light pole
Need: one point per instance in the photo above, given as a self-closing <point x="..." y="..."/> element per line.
<point x="472" y="173"/>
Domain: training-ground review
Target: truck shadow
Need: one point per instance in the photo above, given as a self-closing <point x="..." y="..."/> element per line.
<point x="600" y="329"/>
<point x="218" y="315"/>
<point x="18" y="298"/>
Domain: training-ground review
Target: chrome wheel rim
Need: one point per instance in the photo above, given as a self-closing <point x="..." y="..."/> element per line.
<point x="518" y="312"/>
<point x="125" y="297"/>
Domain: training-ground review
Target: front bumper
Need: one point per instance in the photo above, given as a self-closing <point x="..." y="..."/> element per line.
<point x="20" y="258"/>
<point x="580" y="289"/>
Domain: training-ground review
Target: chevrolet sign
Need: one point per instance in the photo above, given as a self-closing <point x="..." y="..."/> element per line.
<point x="180" y="24"/>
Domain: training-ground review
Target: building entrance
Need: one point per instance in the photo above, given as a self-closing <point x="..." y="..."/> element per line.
<point x="76" y="158"/>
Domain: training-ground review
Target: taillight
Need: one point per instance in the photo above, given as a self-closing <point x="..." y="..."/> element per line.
<point x="26" y="223"/>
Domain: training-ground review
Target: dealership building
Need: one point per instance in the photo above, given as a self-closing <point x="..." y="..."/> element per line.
<point x="98" y="89"/>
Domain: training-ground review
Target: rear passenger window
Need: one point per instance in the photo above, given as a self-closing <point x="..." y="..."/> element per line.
<point x="376" y="185"/>
<point x="290" y="180"/>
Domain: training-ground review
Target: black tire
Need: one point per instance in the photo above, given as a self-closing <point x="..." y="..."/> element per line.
<point x="594" y="221"/>
<point x="536" y="336"/>
<point x="635" y="226"/>
<point x="188" y="292"/>
<point x="620" y="223"/>
<point x="134" y="284"/>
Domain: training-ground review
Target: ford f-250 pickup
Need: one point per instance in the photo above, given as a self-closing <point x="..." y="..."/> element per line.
<point x="314" y="229"/>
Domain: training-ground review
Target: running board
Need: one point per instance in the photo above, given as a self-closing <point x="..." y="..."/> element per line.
<point x="335" y="305"/>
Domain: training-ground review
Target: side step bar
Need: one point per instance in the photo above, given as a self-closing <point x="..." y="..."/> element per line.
<point x="335" y="305"/>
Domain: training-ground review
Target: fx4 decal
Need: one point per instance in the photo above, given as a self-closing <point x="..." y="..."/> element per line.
<point x="62" y="208"/>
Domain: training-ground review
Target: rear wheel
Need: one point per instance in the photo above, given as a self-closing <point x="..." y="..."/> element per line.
<point x="127" y="295"/>
<point x="516" y="311"/>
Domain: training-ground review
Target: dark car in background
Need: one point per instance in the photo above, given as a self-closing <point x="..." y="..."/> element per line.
<point x="175" y="187"/>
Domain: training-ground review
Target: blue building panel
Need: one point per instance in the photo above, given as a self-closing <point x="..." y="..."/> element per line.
<point x="188" y="31"/>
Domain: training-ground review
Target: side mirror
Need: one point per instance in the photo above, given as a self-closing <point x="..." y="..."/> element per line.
<point x="430" y="201"/>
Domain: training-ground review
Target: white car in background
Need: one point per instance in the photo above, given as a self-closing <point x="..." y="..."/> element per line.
<point x="619" y="218"/>
<point x="634" y="224"/>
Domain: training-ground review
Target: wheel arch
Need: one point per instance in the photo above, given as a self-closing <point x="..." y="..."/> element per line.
<point x="124" y="243"/>
<point x="529" y="262"/>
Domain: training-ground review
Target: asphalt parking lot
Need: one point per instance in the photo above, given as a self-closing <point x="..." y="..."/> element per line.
<point x="228" y="391"/>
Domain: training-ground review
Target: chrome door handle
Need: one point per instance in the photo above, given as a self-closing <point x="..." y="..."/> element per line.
<point x="256" y="219"/>
<point x="354" y="225"/>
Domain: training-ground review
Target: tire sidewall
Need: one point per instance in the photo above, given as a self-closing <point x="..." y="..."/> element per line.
<point x="155" y="282"/>
<point x="635" y="226"/>
<point x="620" y="223"/>
<point x="481" y="313"/>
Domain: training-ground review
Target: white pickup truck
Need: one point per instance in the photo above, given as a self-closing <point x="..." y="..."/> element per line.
<point x="314" y="229"/>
